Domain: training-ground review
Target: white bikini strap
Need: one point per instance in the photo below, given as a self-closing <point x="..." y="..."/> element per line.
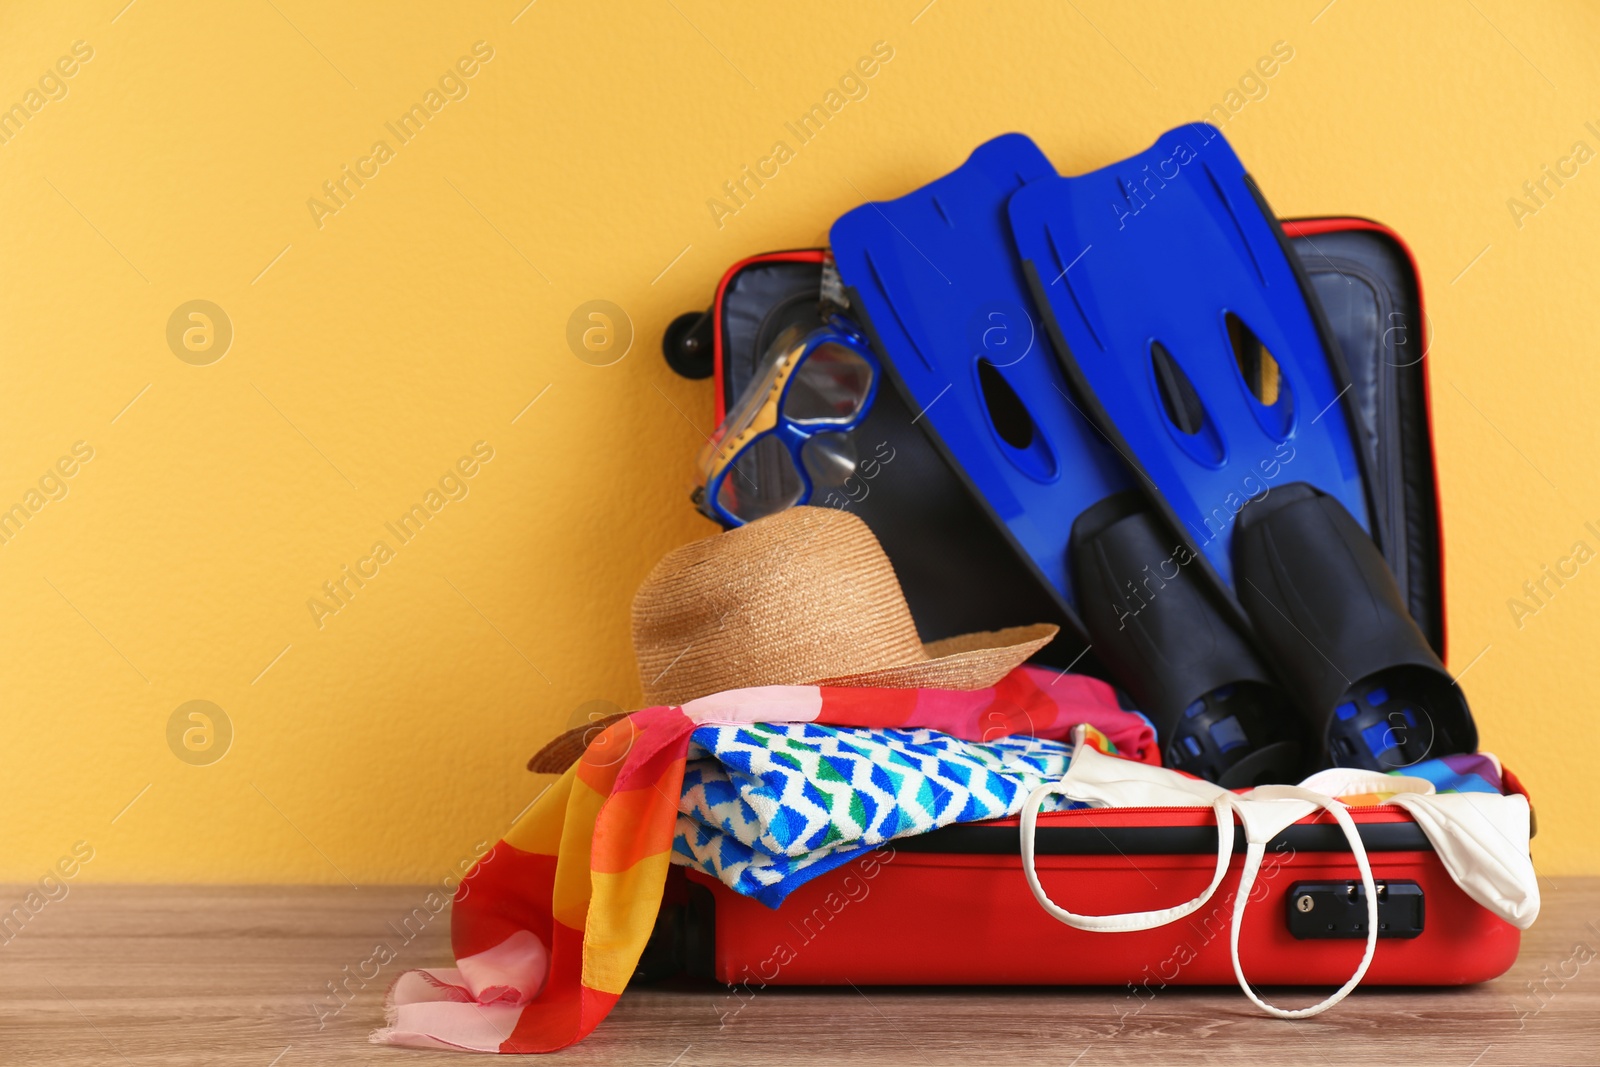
<point x="1256" y="838"/>
<point x="1138" y="920"/>
<point x="1247" y="877"/>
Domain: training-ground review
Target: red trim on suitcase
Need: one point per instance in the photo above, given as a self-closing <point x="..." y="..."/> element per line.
<point x="798" y="255"/>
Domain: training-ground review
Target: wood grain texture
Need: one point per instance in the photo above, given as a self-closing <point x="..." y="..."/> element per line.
<point x="136" y="975"/>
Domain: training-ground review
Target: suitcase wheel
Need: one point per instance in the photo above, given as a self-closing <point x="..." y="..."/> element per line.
<point x="687" y="344"/>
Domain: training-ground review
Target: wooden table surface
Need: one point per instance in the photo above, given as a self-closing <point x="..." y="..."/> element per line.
<point x="134" y="975"/>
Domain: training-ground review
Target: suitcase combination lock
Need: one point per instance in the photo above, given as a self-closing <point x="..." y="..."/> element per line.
<point x="1322" y="910"/>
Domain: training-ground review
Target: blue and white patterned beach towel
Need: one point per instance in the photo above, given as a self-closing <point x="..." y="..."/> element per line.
<point x="768" y="806"/>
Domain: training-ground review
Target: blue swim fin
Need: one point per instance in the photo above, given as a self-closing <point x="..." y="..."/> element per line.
<point x="934" y="279"/>
<point x="1185" y="326"/>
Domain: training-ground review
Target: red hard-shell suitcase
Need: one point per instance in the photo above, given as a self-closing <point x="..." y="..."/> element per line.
<point x="953" y="907"/>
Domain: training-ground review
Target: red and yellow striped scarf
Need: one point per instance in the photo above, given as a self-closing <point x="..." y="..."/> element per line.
<point x="549" y="926"/>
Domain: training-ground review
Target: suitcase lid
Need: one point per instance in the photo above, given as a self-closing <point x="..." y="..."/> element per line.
<point x="1371" y="292"/>
<point x="1369" y="285"/>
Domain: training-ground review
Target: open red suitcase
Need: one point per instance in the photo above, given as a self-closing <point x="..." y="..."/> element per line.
<point x="952" y="906"/>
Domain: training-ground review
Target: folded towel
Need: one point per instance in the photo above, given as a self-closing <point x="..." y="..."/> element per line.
<point x="766" y="807"/>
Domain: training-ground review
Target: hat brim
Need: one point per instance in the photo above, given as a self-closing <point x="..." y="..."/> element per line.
<point x="970" y="661"/>
<point x="566" y="748"/>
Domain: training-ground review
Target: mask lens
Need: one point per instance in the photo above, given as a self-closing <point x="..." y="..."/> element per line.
<point x="829" y="387"/>
<point x="830" y="458"/>
<point x="761" y="481"/>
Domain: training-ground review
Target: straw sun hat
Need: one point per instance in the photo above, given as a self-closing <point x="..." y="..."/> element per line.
<point x="803" y="597"/>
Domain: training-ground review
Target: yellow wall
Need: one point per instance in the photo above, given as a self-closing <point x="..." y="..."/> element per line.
<point x="375" y="346"/>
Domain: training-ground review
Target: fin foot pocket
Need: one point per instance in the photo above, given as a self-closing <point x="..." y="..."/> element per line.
<point x="1331" y="619"/>
<point x="1217" y="710"/>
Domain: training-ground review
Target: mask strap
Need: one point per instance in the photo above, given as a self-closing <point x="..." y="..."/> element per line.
<point x="1138" y="920"/>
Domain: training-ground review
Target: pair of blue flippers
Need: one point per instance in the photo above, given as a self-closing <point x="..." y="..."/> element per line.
<point x="1127" y="370"/>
